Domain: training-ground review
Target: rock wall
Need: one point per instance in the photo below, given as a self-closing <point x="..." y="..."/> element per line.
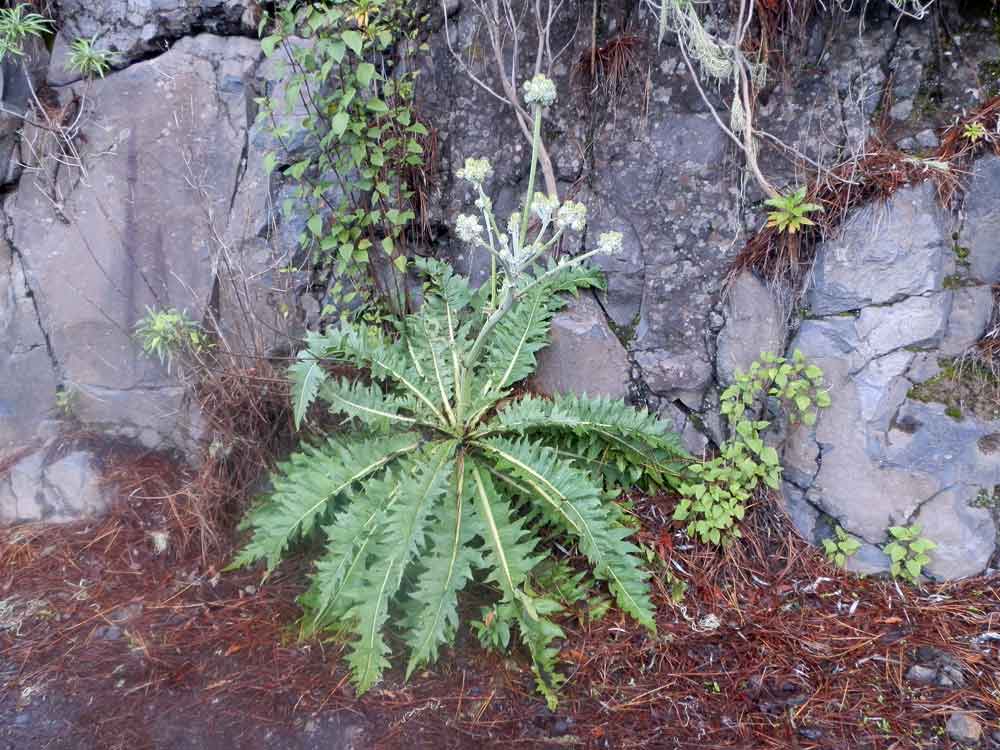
<point x="160" y="203"/>
<point x="171" y="208"/>
<point x="888" y="302"/>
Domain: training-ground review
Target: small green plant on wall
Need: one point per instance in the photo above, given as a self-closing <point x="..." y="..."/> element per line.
<point x="17" y="24"/>
<point x="87" y="59"/>
<point x="789" y="211"/>
<point x="840" y="547"/>
<point x="974" y="132"/>
<point x="908" y="552"/>
<point x="715" y="494"/>
<point x="448" y="472"/>
<point x="169" y="335"/>
<point x="67" y="399"/>
<point x="363" y="167"/>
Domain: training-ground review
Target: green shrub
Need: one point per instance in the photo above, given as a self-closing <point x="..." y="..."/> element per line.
<point x="715" y="493"/>
<point x="908" y="552"/>
<point x="447" y="479"/>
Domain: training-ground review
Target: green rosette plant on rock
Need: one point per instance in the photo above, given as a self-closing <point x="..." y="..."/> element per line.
<point x="449" y="478"/>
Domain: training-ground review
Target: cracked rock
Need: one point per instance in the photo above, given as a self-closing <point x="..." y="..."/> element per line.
<point x="63" y="489"/>
<point x="982" y="220"/>
<point x="883" y="255"/>
<point x="164" y="140"/>
<point x="754" y="325"/>
<point x="876" y="457"/>
<point x="138" y="28"/>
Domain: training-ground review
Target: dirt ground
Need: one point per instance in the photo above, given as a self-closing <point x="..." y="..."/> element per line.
<point x="111" y="640"/>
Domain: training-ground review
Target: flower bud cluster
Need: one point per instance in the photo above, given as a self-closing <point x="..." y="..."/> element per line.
<point x="540" y="90"/>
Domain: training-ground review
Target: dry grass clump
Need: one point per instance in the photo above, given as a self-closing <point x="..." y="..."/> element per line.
<point x="871" y="176"/>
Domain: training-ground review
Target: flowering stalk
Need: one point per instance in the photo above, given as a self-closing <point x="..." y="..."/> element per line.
<point x="513" y="251"/>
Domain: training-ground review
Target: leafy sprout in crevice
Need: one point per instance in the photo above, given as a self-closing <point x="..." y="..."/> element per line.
<point x="840" y="547"/>
<point x="448" y="478"/>
<point x="87" y="60"/>
<point x="715" y="493"/>
<point x="789" y="214"/>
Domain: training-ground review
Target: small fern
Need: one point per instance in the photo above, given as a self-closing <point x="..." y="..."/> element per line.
<point x="447" y="479"/>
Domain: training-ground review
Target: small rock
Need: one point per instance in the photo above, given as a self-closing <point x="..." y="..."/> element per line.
<point x="964" y="728"/>
<point x="921" y="675"/>
<point x="927" y="139"/>
<point x="560" y="728"/>
<point x="947" y="669"/>
<point x="902" y="110"/>
<point x="583" y="355"/>
<point x="810" y="733"/>
<point x="109" y="633"/>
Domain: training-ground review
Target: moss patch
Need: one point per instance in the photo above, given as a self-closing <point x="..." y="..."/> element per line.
<point x="964" y="388"/>
<point x="987" y="498"/>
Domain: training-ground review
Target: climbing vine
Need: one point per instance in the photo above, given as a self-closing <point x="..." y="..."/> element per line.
<point x="357" y="177"/>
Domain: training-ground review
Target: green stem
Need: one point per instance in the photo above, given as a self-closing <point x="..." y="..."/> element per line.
<point x="493" y="280"/>
<point x="484" y="332"/>
<point x="536" y="139"/>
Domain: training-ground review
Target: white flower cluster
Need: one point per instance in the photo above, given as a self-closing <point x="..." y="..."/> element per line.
<point x="544" y="207"/>
<point x="541" y="90"/>
<point x="609" y="243"/>
<point x="468" y="228"/>
<point x="476" y="171"/>
<point x="572" y="215"/>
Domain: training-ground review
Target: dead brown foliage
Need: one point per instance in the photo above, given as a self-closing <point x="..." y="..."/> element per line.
<point x="608" y="68"/>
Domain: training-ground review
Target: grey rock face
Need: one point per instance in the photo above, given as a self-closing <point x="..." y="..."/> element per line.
<point x="164" y="142"/>
<point x="140" y="27"/>
<point x="981" y="230"/>
<point x="965" y="535"/>
<point x="884" y="255"/>
<point x="971" y="310"/>
<point x="584" y="356"/>
<point x="754" y="324"/>
<point x="28" y="375"/>
<point x="15" y="96"/>
<point x="876" y="458"/>
<point x="63" y="489"/>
